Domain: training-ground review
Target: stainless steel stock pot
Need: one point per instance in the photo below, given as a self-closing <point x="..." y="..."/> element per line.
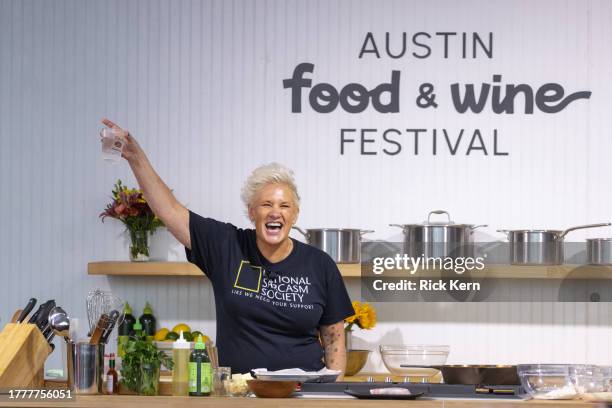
<point x="342" y="244"/>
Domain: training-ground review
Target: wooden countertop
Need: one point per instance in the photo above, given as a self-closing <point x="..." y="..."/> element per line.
<point x="105" y="401"/>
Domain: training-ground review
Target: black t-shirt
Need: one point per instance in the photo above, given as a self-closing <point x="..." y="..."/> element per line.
<point x="267" y="314"/>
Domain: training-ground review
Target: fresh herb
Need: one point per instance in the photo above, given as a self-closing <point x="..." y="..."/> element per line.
<point x="140" y="365"/>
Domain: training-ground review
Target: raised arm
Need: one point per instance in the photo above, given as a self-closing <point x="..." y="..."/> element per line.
<point x="158" y="195"/>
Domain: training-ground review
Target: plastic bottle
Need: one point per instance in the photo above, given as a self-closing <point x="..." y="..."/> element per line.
<point x="180" y="373"/>
<point x="200" y="371"/>
<point x="138" y="332"/>
<point x="148" y="322"/>
<point x="125" y="330"/>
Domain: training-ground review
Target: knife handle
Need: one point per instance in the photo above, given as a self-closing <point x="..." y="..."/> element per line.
<point x="112" y="320"/>
<point x="26" y="311"/>
<point x="99" y="330"/>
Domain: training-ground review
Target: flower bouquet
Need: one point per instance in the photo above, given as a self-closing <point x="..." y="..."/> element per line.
<point x="364" y="318"/>
<point x="131" y="208"/>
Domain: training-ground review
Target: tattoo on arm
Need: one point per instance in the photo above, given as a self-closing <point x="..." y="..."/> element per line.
<point x="332" y="337"/>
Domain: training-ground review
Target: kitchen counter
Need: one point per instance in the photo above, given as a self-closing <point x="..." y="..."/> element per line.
<point x="104" y="401"/>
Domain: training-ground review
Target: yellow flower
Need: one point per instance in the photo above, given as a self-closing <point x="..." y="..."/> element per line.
<point x="367" y="318"/>
<point x="364" y="317"/>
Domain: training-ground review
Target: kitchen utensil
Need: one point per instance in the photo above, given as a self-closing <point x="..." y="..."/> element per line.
<point x="540" y="247"/>
<point x="599" y="251"/>
<point x="26" y="310"/>
<point x="60" y="323"/>
<point x="547" y="381"/>
<point x="43" y="318"/>
<point x="44" y="307"/>
<point x="54" y="314"/>
<point x="99" y="329"/>
<point x="112" y="320"/>
<point x="296" y="374"/>
<point x="272" y="389"/>
<point x="414" y="358"/>
<point x="478" y="374"/>
<point x="16" y="315"/>
<point x="367" y="394"/>
<point x="85" y="367"/>
<point x="343" y="245"/>
<point x="438" y="239"/>
<point x="100" y="302"/>
<point x="355" y="360"/>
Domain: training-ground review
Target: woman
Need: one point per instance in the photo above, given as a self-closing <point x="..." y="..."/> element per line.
<point x="274" y="296"/>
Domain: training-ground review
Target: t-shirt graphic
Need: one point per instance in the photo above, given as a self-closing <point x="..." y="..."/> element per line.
<point x="248" y="277"/>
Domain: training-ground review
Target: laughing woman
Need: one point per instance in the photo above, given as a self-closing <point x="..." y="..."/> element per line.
<point x="274" y="296"/>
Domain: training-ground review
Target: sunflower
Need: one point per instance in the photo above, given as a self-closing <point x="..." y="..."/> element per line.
<point x="364" y="317"/>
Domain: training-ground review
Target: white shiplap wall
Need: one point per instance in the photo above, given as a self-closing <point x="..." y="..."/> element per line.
<point x="199" y="84"/>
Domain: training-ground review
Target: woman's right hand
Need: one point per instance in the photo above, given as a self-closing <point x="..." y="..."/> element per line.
<point x="131" y="148"/>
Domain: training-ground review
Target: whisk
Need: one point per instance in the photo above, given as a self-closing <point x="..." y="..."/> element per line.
<point x="100" y="302"/>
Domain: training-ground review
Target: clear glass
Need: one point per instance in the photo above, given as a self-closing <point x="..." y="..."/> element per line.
<point x="112" y="145"/>
<point x="548" y="381"/>
<point x="139" y="247"/>
<point x="415" y="357"/>
<point x="149" y="379"/>
<point x="220" y="376"/>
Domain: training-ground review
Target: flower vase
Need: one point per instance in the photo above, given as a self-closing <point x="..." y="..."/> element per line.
<point x="139" y="246"/>
<point x="348" y="339"/>
<point x="355" y="359"/>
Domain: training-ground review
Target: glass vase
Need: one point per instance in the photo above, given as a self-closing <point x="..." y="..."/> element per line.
<point x="139" y="246"/>
<point x="348" y="338"/>
<point x="149" y="379"/>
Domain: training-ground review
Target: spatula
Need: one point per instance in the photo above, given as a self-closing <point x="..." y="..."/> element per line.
<point x="99" y="330"/>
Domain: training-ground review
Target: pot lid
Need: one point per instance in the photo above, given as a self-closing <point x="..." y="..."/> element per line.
<point x="441" y="223"/>
<point x="535" y="230"/>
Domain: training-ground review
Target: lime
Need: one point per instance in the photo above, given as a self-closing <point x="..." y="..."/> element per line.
<point x="172" y="336"/>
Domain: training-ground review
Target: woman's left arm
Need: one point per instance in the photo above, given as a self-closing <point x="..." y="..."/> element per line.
<point x="332" y="337"/>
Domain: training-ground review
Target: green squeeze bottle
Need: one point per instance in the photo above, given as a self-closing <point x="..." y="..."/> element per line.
<point x="148" y="322"/>
<point x="126" y="329"/>
<point x="200" y="371"/>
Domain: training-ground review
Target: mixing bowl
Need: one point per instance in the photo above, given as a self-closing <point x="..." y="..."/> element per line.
<point x="548" y="381"/>
<point x="415" y="355"/>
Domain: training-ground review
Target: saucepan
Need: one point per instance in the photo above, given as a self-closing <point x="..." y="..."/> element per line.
<point x="540" y="247"/>
<point x="342" y="244"/>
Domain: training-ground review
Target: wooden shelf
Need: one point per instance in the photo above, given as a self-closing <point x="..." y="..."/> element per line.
<point x="118" y="268"/>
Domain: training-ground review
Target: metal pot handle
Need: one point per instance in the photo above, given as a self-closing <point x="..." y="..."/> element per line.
<point x="602" y="224"/>
<point x="439" y="212"/>
<point x="304" y="233"/>
<point x="505" y="232"/>
<point x="397" y="225"/>
<point x="479" y="226"/>
<point x="365" y="232"/>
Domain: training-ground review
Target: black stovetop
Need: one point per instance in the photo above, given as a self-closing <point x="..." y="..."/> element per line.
<point x="431" y="390"/>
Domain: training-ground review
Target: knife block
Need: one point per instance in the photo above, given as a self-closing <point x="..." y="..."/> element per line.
<point x="23" y="352"/>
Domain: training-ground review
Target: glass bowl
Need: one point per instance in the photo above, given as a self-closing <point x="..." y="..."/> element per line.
<point x="548" y="381"/>
<point x="417" y="356"/>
